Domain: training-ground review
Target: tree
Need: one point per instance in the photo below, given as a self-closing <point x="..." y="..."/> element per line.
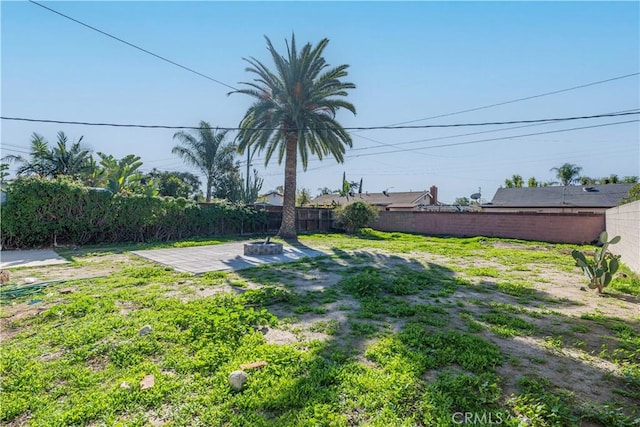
<point x="73" y="160"/>
<point x="632" y="196"/>
<point x="176" y="184"/>
<point x="303" y="197"/>
<point x="514" y="182"/>
<point x="295" y="113"/>
<point x="461" y="201"/>
<point x="629" y="180"/>
<point x="121" y="175"/>
<point x="346" y="187"/>
<point x="70" y="161"/>
<point x="533" y="182"/>
<point x="611" y="179"/>
<point x="208" y="152"/>
<point x="250" y="194"/>
<point x="323" y="191"/>
<point x="567" y="173"/>
<point x="4" y="167"/>
<point x="356" y="215"/>
<point x="585" y="180"/>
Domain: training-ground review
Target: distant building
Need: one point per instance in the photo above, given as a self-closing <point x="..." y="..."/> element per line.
<point x="386" y="201"/>
<point x="558" y="199"/>
<point x="272" y="198"/>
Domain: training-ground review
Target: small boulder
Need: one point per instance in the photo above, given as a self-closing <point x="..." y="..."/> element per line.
<point x="145" y="330"/>
<point x="237" y="380"/>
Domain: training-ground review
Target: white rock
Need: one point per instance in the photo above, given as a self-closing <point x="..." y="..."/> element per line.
<point x="237" y="380"/>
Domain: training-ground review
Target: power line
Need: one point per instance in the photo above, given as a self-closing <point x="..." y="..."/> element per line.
<point x="191" y="70"/>
<point x="123" y="125"/>
<point x="492" y="139"/>
<point x="518" y="99"/>
<point x="397" y="144"/>
<point x="364" y="128"/>
<point x="15" y="151"/>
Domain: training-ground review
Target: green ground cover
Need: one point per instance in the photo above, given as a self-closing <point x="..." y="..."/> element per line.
<point x="390" y="329"/>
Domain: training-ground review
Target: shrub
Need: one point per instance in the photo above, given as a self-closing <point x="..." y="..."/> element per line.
<point x="41" y="212"/>
<point x="356" y="215"/>
<point x="632" y="196"/>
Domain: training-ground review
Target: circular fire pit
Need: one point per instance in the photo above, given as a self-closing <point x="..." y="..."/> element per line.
<point x="261" y="248"/>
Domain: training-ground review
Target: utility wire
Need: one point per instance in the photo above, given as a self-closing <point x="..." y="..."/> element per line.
<point x="397" y="144"/>
<point x="518" y="99"/>
<point x="191" y="70"/>
<point x="491" y="139"/>
<point x="551" y="120"/>
<point x="347" y="157"/>
<point x="395" y="124"/>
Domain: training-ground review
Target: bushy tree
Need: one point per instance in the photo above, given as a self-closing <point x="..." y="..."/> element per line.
<point x="356" y="215"/>
<point x="461" y="201"/>
<point x="633" y="195"/>
<point x="514" y="182"/>
<point x="122" y="175"/>
<point x="176" y="184"/>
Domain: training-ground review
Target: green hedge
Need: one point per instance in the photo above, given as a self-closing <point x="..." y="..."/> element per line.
<point x="39" y="212"/>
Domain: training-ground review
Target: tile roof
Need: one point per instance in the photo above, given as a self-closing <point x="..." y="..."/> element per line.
<point x="407" y="198"/>
<point x="605" y="196"/>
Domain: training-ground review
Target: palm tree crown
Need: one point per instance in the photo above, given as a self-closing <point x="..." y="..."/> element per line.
<point x="207" y="151"/>
<point x="567" y="173"/>
<point x="294" y="113"/>
<point x="72" y="160"/>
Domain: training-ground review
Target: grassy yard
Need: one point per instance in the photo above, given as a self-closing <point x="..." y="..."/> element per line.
<point x="390" y="329"/>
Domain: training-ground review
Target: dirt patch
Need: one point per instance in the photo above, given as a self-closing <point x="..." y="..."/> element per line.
<point x="19" y="421"/>
<point x="13" y="314"/>
<point x="314" y="281"/>
<point x="279" y="336"/>
<point x="86" y="267"/>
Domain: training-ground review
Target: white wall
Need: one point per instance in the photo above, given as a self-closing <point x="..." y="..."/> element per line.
<point x="624" y="221"/>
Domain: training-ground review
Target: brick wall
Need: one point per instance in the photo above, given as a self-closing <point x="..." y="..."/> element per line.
<point x="624" y="221"/>
<point x="556" y="228"/>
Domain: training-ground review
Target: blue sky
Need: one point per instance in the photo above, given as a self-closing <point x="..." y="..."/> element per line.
<point x="409" y="60"/>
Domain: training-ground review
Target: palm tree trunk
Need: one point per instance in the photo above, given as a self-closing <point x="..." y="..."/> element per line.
<point x="288" y="225"/>
<point x="209" y="185"/>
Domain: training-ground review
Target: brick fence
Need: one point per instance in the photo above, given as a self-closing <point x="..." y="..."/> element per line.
<point x="551" y="227"/>
<point x="547" y="227"/>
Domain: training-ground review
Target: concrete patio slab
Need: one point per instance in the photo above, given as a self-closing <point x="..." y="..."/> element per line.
<point x="32" y="258"/>
<point x="228" y="256"/>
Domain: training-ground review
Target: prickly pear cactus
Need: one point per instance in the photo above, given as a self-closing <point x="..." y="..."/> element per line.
<point x="602" y="267"/>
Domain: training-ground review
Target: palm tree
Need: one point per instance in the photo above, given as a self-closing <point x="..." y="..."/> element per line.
<point x="294" y="112"/>
<point x="73" y="160"/>
<point x="207" y="151"/>
<point x="567" y="173"/>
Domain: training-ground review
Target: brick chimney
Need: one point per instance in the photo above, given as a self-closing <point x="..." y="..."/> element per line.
<point x="434" y="194"/>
